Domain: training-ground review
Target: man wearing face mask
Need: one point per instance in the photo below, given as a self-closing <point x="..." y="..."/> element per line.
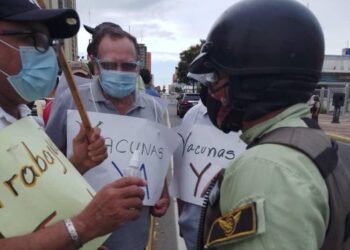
<point x="261" y="62"/>
<point x="28" y="71"/>
<point x="91" y="49"/>
<point x="114" y="92"/>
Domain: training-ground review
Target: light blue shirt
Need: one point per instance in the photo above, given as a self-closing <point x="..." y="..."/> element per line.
<point x="134" y="234"/>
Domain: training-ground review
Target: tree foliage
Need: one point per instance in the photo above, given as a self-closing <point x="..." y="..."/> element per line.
<point x="178" y="90"/>
<point x="186" y="57"/>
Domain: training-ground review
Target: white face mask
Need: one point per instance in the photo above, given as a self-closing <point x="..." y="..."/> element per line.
<point x="118" y="84"/>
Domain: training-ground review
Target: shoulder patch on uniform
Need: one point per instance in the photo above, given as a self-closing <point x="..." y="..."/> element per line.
<point x="240" y="222"/>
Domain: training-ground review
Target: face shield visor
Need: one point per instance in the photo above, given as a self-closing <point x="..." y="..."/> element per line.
<point x="205" y="79"/>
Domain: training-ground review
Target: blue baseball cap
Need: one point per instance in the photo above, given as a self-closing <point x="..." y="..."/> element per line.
<point x="62" y="23"/>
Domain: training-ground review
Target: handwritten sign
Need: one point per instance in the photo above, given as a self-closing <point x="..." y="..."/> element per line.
<point x="204" y="151"/>
<point x="38" y="185"/>
<point x="123" y="135"/>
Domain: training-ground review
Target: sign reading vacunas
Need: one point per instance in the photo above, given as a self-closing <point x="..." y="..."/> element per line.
<point x="204" y="151"/>
<point x="38" y="185"/>
<point x="123" y="135"/>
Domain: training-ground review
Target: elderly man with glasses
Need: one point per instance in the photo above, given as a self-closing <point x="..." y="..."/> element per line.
<point x="28" y="71"/>
<point x="114" y="92"/>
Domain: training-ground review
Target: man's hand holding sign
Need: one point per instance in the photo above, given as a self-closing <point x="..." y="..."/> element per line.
<point x="39" y="187"/>
<point x="35" y="170"/>
<point x="88" y="150"/>
<point x="102" y="216"/>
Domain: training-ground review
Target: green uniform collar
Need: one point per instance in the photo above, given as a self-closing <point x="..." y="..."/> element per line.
<point x="288" y="118"/>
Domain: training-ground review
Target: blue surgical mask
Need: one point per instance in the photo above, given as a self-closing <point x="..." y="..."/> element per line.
<point x="38" y="76"/>
<point x="118" y="84"/>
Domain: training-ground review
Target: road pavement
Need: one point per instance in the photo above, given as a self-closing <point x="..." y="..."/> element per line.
<point x="166" y="232"/>
<point x="342" y="128"/>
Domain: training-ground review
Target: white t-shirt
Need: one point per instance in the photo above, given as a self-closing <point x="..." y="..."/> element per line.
<point x="197" y="115"/>
<point x="7" y="119"/>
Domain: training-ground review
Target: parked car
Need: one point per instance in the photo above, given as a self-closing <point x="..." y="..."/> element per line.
<point x="185" y="102"/>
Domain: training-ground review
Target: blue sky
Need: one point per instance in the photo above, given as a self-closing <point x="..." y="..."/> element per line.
<point x="168" y="27"/>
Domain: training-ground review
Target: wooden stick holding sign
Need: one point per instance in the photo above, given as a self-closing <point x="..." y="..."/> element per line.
<point x="74" y="90"/>
<point x="71" y="83"/>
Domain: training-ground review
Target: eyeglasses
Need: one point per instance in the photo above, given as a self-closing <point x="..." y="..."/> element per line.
<point x="113" y="65"/>
<point x="40" y="40"/>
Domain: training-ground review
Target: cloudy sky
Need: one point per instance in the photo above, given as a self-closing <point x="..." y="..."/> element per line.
<point x="168" y="27"/>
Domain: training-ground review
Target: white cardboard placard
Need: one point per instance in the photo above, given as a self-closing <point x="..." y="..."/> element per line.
<point x="123" y="135"/>
<point x="204" y="151"/>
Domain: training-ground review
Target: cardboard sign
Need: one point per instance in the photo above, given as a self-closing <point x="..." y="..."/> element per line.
<point x="38" y="185"/>
<point x="204" y="151"/>
<point x="123" y="135"/>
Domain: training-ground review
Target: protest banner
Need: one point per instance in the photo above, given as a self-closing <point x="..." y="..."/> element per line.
<point x="38" y="185"/>
<point x="204" y="151"/>
<point x="123" y="135"/>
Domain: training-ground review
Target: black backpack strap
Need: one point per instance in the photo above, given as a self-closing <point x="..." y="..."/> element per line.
<point x="312" y="142"/>
<point x="333" y="161"/>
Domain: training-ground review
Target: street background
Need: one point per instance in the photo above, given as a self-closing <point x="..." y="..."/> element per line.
<point x="342" y="128"/>
<point x="165" y="230"/>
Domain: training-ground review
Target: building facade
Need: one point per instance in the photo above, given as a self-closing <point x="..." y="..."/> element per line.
<point x="71" y="44"/>
<point x="336" y="70"/>
<point x="335" y="78"/>
<point x="142" y="50"/>
<point x="149" y="61"/>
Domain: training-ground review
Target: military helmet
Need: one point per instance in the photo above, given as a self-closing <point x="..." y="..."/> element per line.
<point x="256" y="37"/>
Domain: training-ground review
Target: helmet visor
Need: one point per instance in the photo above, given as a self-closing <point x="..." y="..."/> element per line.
<point x="201" y="64"/>
<point x="205" y="79"/>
